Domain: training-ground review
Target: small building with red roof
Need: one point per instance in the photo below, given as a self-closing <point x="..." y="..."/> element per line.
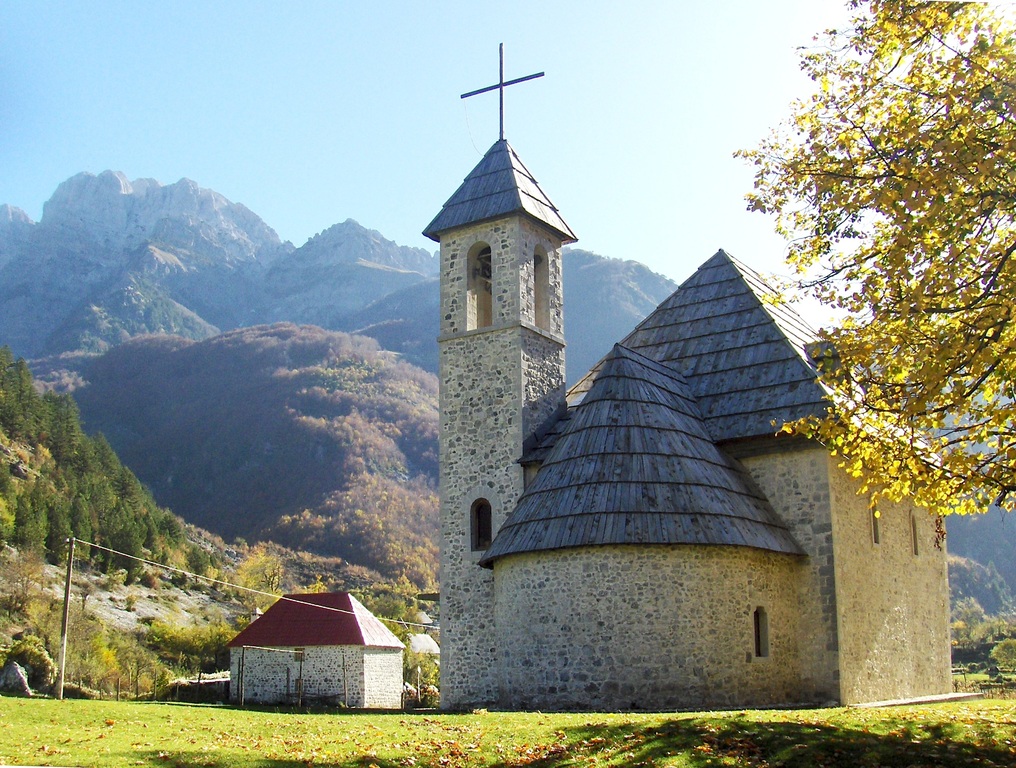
<point x="323" y="648"/>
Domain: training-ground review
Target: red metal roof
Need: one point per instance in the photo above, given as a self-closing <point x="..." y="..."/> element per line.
<point x="328" y="618"/>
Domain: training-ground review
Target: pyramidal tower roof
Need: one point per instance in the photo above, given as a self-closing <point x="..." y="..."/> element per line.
<point x="741" y="350"/>
<point x="635" y="464"/>
<point x="642" y="455"/>
<point x="500" y="185"/>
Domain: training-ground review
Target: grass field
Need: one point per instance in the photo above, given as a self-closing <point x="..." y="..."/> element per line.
<point x="90" y="733"/>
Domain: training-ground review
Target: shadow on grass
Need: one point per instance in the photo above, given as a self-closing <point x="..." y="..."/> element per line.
<point x="692" y="742"/>
<point x="746" y="742"/>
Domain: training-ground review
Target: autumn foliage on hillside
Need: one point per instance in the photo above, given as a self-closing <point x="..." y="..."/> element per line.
<point x="315" y="439"/>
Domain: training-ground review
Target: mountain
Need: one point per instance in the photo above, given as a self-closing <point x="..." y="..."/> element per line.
<point x="338" y="273"/>
<point x="989" y="539"/>
<point x="56" y="481"/>
<point x="970" y="579"/>
<point x="113" y="259"/>
<point x="404" y="321"/>
<point x="604" y="299"/>
<point x="15" y="225"/>
<point x="315" y="439"/>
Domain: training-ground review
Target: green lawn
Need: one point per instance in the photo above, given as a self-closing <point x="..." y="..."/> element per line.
<point x="89" y="733"/>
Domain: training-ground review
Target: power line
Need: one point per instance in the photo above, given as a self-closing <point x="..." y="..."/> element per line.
<point x="251" y="590"/>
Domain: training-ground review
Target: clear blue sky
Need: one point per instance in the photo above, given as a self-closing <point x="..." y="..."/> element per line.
<point x="309" y="112"/>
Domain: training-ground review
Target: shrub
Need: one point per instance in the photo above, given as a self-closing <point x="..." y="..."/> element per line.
<point x="31" y="654"/>
<point x="1004" y="654"/>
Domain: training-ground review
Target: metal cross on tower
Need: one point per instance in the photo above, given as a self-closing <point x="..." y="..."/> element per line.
<point x="501" y="85"/>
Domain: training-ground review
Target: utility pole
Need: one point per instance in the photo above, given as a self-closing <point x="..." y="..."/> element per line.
<point x="66" y="617"/>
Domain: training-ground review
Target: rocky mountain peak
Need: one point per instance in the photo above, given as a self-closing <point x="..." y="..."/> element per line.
<point x="113" y="214"/>
<point x="15" y="227"/>
<point x="12" y="216"/>
<point x="349" y="242"/>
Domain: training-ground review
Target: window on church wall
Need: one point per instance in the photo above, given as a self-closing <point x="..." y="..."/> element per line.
<point x="541" y="289"/>
<point x="913" y="535"/>
<point x="480" y="525"/>
<point x="479" y="288"/>
<point x="875" y="532"/>
<point x="760" y="622"/>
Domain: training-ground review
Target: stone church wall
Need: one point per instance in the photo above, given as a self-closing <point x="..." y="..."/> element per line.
<point x="796" y="482"/>
<point x="473" y="466"/>
<point x="655" y="627"/>
<point x="497" y="384"/>
<point x="893" y="604"/>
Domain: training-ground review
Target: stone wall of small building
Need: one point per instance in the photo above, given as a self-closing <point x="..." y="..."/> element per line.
<point x="330" y="674"/>
<point x="382" y="676"/>
<point x="892" y="598"/>
<point x="646" y="627"/>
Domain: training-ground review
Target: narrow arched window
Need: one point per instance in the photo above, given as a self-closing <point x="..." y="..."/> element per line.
<point x="481" y="530"/>
<point x="913" y="535"/>
<point x="479" y="282"/>
<point x="760" y="623"/>
<point x="875" y="533"/>
<point x="541" y="289"/>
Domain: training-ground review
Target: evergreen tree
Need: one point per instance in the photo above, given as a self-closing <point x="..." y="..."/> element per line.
<point x="57" y="482"/>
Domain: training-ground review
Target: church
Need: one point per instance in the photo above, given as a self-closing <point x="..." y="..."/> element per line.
<point x="650" y="539"/>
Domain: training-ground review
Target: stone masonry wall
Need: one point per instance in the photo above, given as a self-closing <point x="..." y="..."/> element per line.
<point x="480" y="443"/>
<point x="796" y="482"/>
<point x="654" y="627"/>
<point x="893" y="604"/>
<point x="496" y="383"/>
<point x="382" y="676"/>
<point x="543" y="382"/>
<point x="333" y="674"/>
<point x="513" y="243"/>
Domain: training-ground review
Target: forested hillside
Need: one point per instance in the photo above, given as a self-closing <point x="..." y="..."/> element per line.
<point x="57" y="482"/>
<point x="315" y="439"/>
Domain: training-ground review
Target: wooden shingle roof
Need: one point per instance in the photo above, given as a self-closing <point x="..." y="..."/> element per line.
<point x="635" y="464"/>
<point x="327" y="618"/>
<point x="500" y="185"/>
<point x="742" y="352"/>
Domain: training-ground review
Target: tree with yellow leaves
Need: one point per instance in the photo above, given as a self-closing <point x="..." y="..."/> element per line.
<point x="262" y="572"/>
<point x="895" y="184"/>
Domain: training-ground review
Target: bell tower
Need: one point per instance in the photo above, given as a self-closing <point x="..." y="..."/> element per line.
<point x="501" y="370"/>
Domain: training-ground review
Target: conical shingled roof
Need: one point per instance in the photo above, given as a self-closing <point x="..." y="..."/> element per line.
<point x="325" y="618"/>
<point x="500" y="185"/>
<point x="635" y="465"/>
<point x="742" y="352"/>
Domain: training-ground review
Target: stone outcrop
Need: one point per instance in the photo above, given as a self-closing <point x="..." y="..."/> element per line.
<point x="14" y="679"/>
